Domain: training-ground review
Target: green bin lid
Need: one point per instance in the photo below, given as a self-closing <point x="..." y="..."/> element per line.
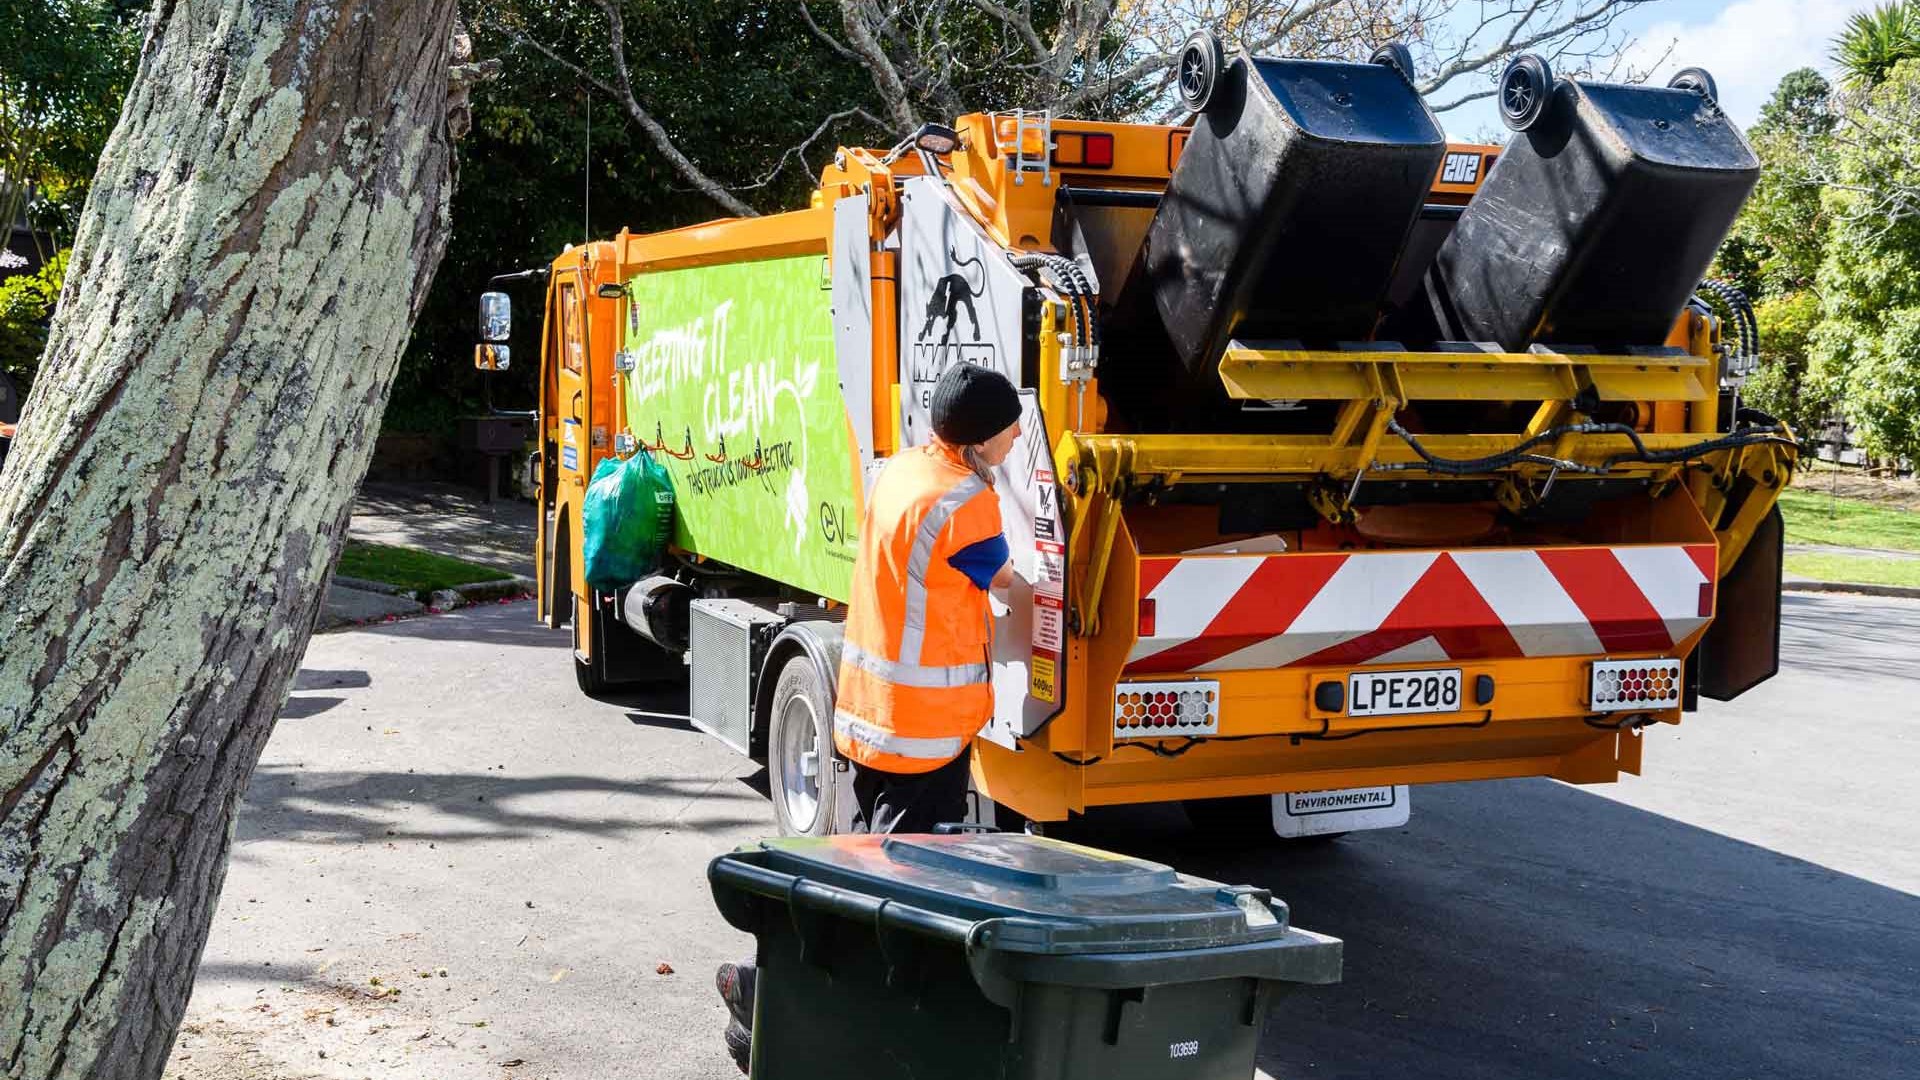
<point x="1042" y="895"/>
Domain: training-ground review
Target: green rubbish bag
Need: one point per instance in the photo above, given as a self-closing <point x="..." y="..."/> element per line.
<point x="627" y="519"/>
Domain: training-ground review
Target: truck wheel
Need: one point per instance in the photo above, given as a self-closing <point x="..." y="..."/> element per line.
<point x="590" y="674"/>
<point x="800" y="771"/>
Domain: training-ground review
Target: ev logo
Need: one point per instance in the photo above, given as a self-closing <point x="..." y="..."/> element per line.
<point x="1460" y="169"/>
<point x="1190" y="1048"/>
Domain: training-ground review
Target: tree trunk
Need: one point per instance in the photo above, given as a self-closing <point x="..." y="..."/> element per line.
<point x="261" y="232"/>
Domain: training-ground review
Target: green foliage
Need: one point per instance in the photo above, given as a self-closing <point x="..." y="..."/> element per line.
<point x="737" y="84"/>
<point x="1875" y="42"/>
<point x="1863" y="351"/>
<point x="1775" y="246"/>
<point x="26" y="310"/>
<point x="63" y="71"/>
<point x="1780" y="386"/>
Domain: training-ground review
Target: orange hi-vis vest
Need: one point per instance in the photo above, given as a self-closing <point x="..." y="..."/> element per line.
<point x="915" y="671"/>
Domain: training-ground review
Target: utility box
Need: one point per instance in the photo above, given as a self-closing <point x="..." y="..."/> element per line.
<point x="1004" y="955"/>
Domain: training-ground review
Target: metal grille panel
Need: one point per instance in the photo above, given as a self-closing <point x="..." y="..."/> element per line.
<point x="722" y="658"/>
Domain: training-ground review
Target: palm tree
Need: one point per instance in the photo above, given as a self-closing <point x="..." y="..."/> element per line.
<point x="1874" y="41"/>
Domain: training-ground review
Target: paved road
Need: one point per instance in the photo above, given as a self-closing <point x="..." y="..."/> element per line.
<point x="439" y="796"/>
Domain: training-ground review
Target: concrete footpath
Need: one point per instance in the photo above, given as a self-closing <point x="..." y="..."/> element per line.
<point x="445" y="519"/>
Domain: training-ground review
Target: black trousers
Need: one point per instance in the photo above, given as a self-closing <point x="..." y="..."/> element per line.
<point x="910" y="802"/>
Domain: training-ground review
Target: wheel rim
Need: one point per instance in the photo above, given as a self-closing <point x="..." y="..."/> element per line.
<point x="1518" y="97"/>
<point x="801" y="758"/>
<point x="1193" y="74"/>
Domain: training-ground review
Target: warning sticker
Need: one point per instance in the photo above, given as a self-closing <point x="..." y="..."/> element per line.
<point x="1049" y="622"/>
<point x="1041" y="681"/>
<point x="1051" y="561"/>
<point x="1046" y="510"/>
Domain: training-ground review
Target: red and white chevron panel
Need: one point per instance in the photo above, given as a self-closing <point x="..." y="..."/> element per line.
<point x="1241" y="612"/>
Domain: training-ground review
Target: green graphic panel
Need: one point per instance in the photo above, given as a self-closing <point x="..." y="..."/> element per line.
<point x="736" y="363"/>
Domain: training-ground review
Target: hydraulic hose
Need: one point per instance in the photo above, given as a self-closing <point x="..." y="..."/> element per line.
<point x="1519" y="454"/>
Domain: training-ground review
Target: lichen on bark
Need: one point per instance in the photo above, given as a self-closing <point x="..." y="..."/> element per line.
<point x="261" y="232"/>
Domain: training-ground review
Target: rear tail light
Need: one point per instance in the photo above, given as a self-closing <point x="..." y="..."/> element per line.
<point x="1147" y="612"/>
<point x="1083" y="150"/>
<point x="1153" y="710"/>
<point x="1634" y="685"/>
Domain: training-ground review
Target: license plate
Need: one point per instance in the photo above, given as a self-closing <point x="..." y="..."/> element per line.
<point x="1396" y="693"/>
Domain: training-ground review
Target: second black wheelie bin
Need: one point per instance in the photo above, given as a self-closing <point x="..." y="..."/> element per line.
<point x="1006" y="956"/>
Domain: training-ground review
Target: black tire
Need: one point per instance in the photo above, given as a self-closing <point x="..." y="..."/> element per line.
<point x="1202" y="59"/>
<point x="559" y="579"/>
<point x="591" y="673"/>
<point x="800" y="724"/>
<point x="1696" y="80"/>
<point x="1396" y="56"/>
<point x="1525" y="87"/>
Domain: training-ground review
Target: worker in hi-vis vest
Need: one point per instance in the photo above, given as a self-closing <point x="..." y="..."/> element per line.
<point x="916" y="671"/>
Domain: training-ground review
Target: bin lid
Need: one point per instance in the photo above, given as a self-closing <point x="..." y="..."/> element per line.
<point x="1044" y="896"/>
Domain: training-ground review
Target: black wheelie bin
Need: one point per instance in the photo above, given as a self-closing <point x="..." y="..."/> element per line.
<point x="1002" y="956"/>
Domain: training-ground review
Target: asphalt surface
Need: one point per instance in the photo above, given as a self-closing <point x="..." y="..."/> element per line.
<point x="439" y="796"/>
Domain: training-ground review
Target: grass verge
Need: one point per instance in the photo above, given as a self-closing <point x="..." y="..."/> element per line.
<point x="1856" y="569"/>
<point x="415" y="571"/>
<point x="1813" y="518"/>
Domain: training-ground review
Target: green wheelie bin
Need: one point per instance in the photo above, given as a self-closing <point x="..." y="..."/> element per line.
<point x="983" y="956"/>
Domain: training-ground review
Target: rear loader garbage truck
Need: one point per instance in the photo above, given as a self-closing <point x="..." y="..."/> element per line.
<point x="1352" y="458"/>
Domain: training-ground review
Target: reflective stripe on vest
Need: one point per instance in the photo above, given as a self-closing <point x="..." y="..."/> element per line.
<point x="883" y="741"/>
<point x="914" y="631"/>
<point x="923" y="676"/>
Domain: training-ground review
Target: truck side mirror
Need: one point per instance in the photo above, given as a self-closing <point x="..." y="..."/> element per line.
<point x="492" y="357"/>
<point x="496" y="317"/>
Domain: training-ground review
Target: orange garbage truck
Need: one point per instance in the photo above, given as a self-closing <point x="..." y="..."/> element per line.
<point x="1353" y="458"/>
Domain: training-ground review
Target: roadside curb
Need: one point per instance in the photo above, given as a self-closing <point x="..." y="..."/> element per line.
<point x="365" y="585"/>
<point x="511" y="586"/>
<point x="1903" y="592"/>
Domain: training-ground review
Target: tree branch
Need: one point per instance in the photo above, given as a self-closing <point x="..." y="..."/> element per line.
<point x="855" y="16"/>
<point x="623" y="93"/>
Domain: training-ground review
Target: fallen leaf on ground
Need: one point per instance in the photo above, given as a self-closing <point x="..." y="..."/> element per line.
<point x="664" y="968"/>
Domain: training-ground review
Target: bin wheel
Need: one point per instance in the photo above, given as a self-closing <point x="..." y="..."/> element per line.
<point x="1396" y="56"/>
<point x="800" y="770"/>
<point x="1696" y="80"/>
<point x="1201" y="60"/>
<point x="1524" y="88"/>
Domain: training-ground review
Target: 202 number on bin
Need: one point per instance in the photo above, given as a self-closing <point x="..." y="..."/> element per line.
<point x="1395" y="693"/>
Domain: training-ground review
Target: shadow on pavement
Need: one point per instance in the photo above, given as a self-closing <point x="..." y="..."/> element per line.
<point x="1884" y="635"/>
<point x="322" y="807"/>
<point x="1528" y="929"/>
<point x="300" y="708"/>
<point x="323" y="679"/>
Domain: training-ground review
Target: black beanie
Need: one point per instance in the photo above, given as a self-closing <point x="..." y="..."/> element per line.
<point x="972" y="404"/>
